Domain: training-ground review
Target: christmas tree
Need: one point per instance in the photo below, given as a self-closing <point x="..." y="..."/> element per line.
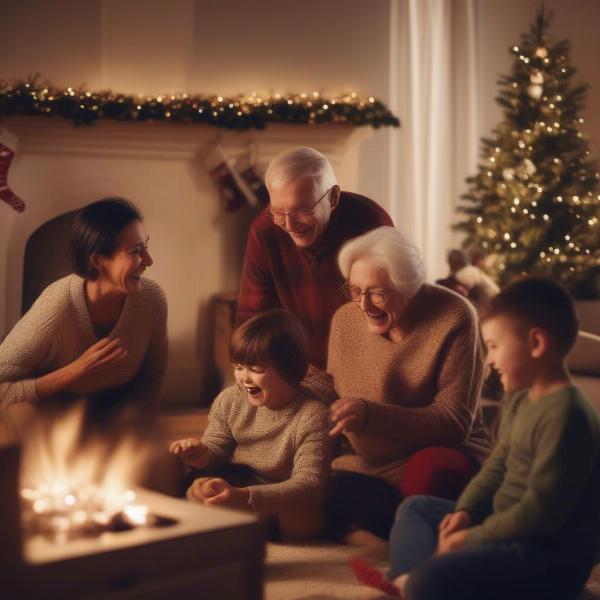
<point x="534" y="205"/>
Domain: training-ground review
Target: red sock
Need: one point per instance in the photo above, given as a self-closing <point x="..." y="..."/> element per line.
<point x="368" y="575"/>
<point x="6" y="194"/>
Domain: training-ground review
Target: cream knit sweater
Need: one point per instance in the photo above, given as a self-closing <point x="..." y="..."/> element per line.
<point x="423" y="391"/>
<point x="57" y="329"/>
<point x="288" y="449"/>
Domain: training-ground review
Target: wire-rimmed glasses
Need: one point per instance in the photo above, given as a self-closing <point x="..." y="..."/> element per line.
<point x="302" y="217"/>
<point x="375" y="297"/>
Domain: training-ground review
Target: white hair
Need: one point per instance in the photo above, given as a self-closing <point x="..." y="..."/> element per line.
<point x="390" y="250"/>
<point x="300" y="163"/>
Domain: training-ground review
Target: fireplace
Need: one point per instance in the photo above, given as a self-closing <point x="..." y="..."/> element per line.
<point x="72" y="527"/>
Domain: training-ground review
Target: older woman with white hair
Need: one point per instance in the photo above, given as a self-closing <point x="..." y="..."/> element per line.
<point x="407" y="364"/>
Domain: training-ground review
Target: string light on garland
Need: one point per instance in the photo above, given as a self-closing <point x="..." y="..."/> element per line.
<point x="240" y="112"/>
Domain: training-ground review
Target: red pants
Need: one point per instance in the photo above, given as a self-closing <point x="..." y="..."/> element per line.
<point x="437" y="471"/>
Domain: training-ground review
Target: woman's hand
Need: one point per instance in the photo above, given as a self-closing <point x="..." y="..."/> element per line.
<point x="216" y="491"/>
<point x="76" y="376"/>
<point x="104" y="354"/>
<point x="192" y="452"/>
<point x="348" y="414"/>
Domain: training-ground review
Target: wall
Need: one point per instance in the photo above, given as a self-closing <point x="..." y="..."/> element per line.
<point x="207" y="46"/>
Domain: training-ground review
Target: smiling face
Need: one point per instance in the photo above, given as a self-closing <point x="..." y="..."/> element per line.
<point x="299" y="197"/>
<point x="122" y="271"/>
<point x="509" y="352"/>
<point x="263" y="386"/>
<point x="384" y="319"/>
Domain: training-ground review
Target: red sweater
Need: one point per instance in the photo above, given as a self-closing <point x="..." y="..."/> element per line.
<point x="278" y="274"/>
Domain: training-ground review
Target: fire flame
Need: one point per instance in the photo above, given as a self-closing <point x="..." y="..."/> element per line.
<point x="71" y="484"/>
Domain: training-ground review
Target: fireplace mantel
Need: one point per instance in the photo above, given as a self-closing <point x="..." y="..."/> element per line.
<point x="49" y="135"/>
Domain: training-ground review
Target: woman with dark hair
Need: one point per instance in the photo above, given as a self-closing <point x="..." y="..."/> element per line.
<point x="100" y="332"/>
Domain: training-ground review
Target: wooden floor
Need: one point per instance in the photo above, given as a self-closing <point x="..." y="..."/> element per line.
<point x="185" y="423"/>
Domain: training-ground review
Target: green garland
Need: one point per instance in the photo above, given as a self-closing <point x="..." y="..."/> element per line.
<point x="240" y="112"/>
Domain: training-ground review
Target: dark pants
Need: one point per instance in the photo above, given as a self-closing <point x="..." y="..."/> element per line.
<point x="361" y="501"/>
<point x="494" y="571"/>
<point x="370" y="503"/>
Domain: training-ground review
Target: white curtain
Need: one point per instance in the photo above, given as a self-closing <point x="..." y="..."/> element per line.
<point x="433" y="89"/>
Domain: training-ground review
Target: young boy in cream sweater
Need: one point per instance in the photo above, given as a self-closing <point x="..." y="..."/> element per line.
<point x="266" y="446"/>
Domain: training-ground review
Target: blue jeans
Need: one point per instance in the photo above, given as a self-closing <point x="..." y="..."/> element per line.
<point x="494" y="571"/>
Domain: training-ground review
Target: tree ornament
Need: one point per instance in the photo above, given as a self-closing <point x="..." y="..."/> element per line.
<point x="541" y="52"/>
<point x="535" y="91"/>
<point x="526" y="167"/>
<point x="508" y="174"/>
<point x="536" y="77"/>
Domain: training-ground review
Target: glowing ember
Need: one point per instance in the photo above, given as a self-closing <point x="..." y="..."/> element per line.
<point x="77" y="489"/>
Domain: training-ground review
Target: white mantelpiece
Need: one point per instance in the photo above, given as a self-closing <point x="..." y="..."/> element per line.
<point x="162" y="168"/>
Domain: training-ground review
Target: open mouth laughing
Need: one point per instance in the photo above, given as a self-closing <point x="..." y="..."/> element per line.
<point x="378" y="317"/>
<point x="252" y="390"/>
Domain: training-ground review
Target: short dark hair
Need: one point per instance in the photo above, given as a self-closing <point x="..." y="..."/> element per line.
<point x="537" y="302"/>
<point x="96" y="230"/>
<point x="275" y="338"/>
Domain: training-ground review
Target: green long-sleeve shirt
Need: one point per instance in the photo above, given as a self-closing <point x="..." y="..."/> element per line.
<point x="542" y="481"/>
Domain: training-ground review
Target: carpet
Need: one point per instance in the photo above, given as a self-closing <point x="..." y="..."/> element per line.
<point x="319" y="571"/>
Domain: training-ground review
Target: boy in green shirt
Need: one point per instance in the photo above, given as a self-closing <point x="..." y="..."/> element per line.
<point x="527" y="526"/>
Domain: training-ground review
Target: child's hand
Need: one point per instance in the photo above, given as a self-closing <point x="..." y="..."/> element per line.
<point x="192" y="452"/>
<point x="454" y="522"/>
<point x="452" y="542"/>
<point x="214" y="490"/>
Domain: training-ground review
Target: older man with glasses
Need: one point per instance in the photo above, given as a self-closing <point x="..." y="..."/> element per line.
<point x="291" y="253"/>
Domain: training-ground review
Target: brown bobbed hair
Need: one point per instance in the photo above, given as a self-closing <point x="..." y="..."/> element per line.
<point x="273" y="338"/>
<point x="537" y="302"/>
<point x="96" y="230"/>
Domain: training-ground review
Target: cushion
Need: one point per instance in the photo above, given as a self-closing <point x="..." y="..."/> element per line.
<point x="585" y="356"/>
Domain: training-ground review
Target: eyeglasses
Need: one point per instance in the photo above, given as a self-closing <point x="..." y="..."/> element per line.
<point x="375" y="297"/>
<point x="303" y="218"/>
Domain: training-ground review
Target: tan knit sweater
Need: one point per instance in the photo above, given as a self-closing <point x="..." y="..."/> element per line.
<point x="57" y="329"/>
<point x="422" y="391"/>
<point x="288" y="449"/>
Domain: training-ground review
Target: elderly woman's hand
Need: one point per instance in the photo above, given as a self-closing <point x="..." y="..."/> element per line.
<point x="348" y="414"/>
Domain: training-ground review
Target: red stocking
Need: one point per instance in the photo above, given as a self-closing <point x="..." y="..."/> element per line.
<point x="6" y="194"/>
<point x="256" y="185"/>
<point x="226" y="180"/>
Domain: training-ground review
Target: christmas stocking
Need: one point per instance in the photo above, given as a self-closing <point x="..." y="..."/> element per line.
<point x="225" y="181"/>
<point x="249" y="179"/>
<point x="6" y="194"/>
<point x="256" y="185"/>
<point x="8" y="145"/>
